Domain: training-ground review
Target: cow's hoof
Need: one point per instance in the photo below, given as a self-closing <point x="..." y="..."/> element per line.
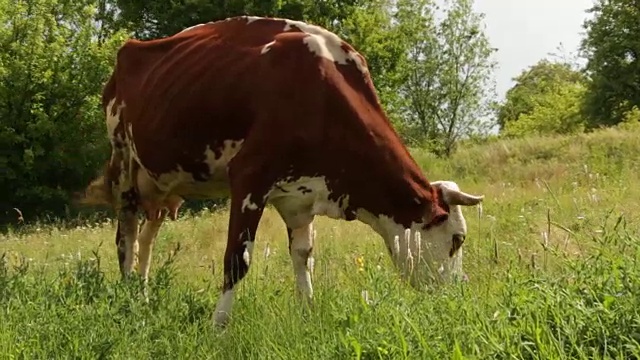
<point x="220" y="319"/>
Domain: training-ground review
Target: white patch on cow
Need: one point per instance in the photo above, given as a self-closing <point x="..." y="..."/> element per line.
<point x="113" y="120"/>
<point x="324" y="43"/>
<point x="248" y="252"/>
<point x="251" y="19"/>
<point x="229" y="150"/>
<point x="132" y="143"/>
<point x="247" y="204"/>
<point x="307" y="28"/>
<point x="183" y="182"/>
<point x="456" y="220"/>
<point x="266" y="48"/>
<point x="299" y="207"/>
<point x="426" y="256"/>
<point x="318" y="45"/>
<point x="223" y="308"/>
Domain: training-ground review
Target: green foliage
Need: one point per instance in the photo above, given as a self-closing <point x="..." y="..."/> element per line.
<point x="446" y="75"/>
<point x="554" y="111"/>
<point x="612" y="49"/>
<point x="51" y="128"/>
<point x="153" y="19"/>
<point x="608" y="155"/>
<point x="544" y="79"/>
<point x="631" y="120"/>
<point x="546" y="99"/>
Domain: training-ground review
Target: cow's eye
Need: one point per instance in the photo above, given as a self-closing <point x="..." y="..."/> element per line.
<point x="456" y="243"/>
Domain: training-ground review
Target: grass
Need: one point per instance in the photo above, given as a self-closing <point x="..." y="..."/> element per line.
<point x="552" y="260"/>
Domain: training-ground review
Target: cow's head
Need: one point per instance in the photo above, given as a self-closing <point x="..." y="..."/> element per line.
<point x="430" y="251"/>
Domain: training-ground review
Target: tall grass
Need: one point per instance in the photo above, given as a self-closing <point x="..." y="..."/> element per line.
<point x="552" y="260"/>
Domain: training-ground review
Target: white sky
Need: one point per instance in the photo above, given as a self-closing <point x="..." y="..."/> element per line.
<point x="525" y="31"/>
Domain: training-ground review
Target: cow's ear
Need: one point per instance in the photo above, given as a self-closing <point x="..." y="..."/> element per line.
<point x="454" y="196"/>
<point x="437" y="216"/>
<point x="97" y="193"/>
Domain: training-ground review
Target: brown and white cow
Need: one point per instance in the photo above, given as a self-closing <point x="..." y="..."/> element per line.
<point x="267" y="111"/>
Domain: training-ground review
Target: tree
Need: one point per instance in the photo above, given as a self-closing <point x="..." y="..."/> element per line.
<point x="554" y="111"/>
<point x="153" y="19"/>
<point x="447" y="72"/>
<point x="537" y="86"/>
<point x="613" y="51"/>
<point x="52" y="69"/>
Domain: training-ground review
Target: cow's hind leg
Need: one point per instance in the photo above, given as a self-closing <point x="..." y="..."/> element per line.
<point x="127" y="233"/>
<point x="300" y="250"/>
<point x="246" y="211"/>
<point x="146" y="238"/>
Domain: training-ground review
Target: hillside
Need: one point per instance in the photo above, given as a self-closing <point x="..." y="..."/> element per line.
<point x="551" y="257"/>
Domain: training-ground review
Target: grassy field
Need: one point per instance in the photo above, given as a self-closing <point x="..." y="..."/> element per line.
<point x="552" y="260"/>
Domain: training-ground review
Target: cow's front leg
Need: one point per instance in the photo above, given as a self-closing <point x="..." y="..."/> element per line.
<point x="127" y="233"/>
<point x="246" y="211"/>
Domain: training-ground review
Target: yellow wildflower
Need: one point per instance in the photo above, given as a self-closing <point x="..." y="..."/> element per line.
<point x="360" y="263"/>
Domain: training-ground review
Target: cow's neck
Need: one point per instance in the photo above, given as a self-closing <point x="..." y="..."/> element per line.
<point x="388" y="191"/>
<point x="392" y="186"/>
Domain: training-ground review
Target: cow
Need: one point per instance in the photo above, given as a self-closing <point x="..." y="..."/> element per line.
<point x="266" y="111"/>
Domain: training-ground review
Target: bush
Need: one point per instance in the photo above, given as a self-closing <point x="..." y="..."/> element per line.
<point x="53" y="64"/>
<point x="555" y="112"/>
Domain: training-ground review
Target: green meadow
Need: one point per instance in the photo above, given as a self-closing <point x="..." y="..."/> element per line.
<point x="552" y="258"/>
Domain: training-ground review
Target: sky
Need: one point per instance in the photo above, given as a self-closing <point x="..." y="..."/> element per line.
<point x="526" y="31"/>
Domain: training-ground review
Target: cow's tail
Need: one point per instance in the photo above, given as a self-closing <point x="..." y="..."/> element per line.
<point x="109" y="90"/>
